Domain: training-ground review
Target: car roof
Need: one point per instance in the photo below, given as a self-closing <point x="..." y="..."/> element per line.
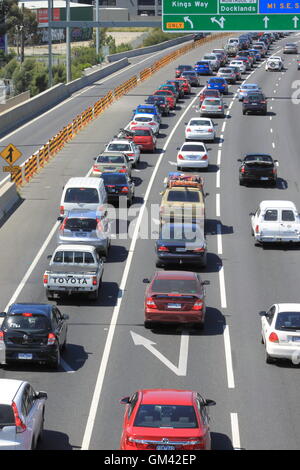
<point x="115" y="173"/>
<point x="8" y="390"/>
<point x="82" y="213"/>
<point x="73" y="247"/>
<point x="79" y="182"/>
<point x="111" y="154"/>
<point x="167" y="397"/>
<point x="175" y="275"/>
<point x="23" y="307"/>
<point x="147" y="115"/>
<point x="277" y="204"/>
<point x="292" y="307"/>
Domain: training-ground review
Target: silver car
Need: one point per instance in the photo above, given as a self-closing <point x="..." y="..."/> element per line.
<point x="213" y="59"/>
<point x="85" y="227"/>
<point x="290" y="48"/>
<point x="228" y="74"/>
<point x="212" y="107"/>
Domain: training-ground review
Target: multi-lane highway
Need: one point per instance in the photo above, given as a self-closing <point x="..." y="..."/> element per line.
<point x="109" y="353"/>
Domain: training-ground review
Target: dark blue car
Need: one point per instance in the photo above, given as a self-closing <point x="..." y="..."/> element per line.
<point x="147" y="109"/>
<point x="218" y="83"/>
<point x="203" y="67"/>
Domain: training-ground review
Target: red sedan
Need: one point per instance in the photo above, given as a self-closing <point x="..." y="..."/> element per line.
<point x="186" y="85"/>
<point x="175" y="297"/>
<point x="169" y="95"/>
<point x="208" y="93"/>
<point x="144" y="138"/>
<point x="169" y="419"/>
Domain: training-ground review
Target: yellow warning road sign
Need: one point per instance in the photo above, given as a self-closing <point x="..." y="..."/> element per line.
<point x="10" y="154"/>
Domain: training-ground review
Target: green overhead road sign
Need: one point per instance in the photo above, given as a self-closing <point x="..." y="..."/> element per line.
<point x="230" y="15"/>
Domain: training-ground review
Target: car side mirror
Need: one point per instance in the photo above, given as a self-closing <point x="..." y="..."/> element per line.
<point x="146" y="280"/>
<point x="206" y="194"/>
<point x="262" y="313"/>
<point x="40" y="395"/>
<point x="60" y="218"/>
<point x="49" y="256"/>
<point x="251" y="213"/>
<point x="205" y="283"/>
<point x="65" y="316"/>
<point x="209" y="402"/>
<point x="239" y="160"/>
<point x="2" y="314"/>
<point x="125" y="400"/>
<point x="95" y="158"/>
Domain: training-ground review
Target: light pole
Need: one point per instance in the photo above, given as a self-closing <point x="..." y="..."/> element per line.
<point x="50" y="7"/>
<point x="68" y="43"/>
<point x="97" y="28"/>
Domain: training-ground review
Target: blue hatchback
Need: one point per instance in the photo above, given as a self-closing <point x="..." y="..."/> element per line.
<point x="218" y="83"/>
<point x="147" y="109"/>
<point x="203" y="67"/>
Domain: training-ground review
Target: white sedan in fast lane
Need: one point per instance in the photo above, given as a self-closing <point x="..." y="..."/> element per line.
<point x="148" y="120"/>
<point x="280" y="331"/>
<point x="200" y="129"/>
<point x="192" y="155"/>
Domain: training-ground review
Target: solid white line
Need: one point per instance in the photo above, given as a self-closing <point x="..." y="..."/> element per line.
<point x="223" y="127"/>
<point x="228" y="357"/>
<point x="114" y="319"/>
<point x="219" y="157"/>
<point x="222" y="288"/>
<point x="235" y="433"/>
<point x="218" y="178"/>
<point x="271" y="130"/>
<point x="273" y="145"/>
<point x="219" y="239"/>
<point x="218" y="205"/>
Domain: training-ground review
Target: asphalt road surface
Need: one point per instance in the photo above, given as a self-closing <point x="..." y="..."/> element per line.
<point x="108" y="355"/>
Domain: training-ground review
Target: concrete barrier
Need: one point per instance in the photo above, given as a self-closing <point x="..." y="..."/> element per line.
<point x="9" y="197"/>
<point x="14" y="101"/>
<point x="31" y="108"/>
<point x="149" y="49"/>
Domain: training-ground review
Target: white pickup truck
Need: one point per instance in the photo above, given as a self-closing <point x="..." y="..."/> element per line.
<point x="74" y="269"/>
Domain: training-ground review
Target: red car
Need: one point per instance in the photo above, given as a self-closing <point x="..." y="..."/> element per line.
<point x="169" y="419"/>
<point x="175" y="297"/>
<point x="186" y="85"/>
<point x="206" y="93"/>
<point x="169" y="95"/>
<point x="144" y="138"/>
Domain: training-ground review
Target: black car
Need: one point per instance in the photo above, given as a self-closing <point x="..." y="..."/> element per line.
<point x="181" y="243"/>
<point x="258" y="168"/>
<point x="255" y="103"/>
<point x="192" y="77"/>
<point x="180" y="68"/>
<point x="161" y="102"/>
<point x="118" y="185"/>
<point x="198" y="36"/>
<point x="32" y="332"/>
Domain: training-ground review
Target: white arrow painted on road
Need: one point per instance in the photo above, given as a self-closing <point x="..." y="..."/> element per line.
<point x="295" y="21"/>
<point x="266" y="20"/>
<point x="220" y="21"/>
<point x="187" y="18"/>
<point x="181" y="369"/>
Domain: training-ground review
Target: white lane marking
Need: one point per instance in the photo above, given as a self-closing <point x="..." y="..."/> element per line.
<point x="222" y="288"/>
<point x="228" y="357"/>
<point x="218" y="178"/>
<point x="235" y="433"/>
<point x="114" y="319"/>
<point x="219" y="157"/>
<point x="273" y="145"/>
<point x="271" y="130"/>
<point x="219" y="239"/>
<point x="224" y="125"/>
<point x="218" y="205"/>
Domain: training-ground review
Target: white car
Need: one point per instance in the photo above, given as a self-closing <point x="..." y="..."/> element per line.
<point x="276" y="221"/>
<point x="280" y="332"/>
<point x="243" y="90"/>
<point x="192" y="155"/>
<point x="213" y="60"/>
<point x="274" y="63"/>
<point x="238" y="63"/>
<point x="147" y="120"/>
<point x="130" y="149"/>
<point x="21" y="415"/>
<point x="200" y="129"/>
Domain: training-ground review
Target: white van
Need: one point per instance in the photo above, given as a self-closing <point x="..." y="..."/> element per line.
<point x="83" y="193"/>
<point x="234" y="42"/>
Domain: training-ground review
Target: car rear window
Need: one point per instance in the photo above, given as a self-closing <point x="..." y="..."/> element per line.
<point x="200" y="122"/>
<point x="119" y="147"/>
<point x="146" y="110"/>
<point x="253" y="98"/>
<point x="287" y="216"/>
<point x="110" y="159"/>
<point x="25" y="322"/>
<point x="114" y="179"/>
<point x="162" y="416"/>
<point x="211" y="102"/>
<point x="192" y="148"/>
<point x="6" y="416"/>
<point x="85" y="225"/>
<point x="82" y="195"/>
<point x="258" y="159"/>
<point x="271" y="215"/>
<point x="288" y="321"/>
<point x="183" y="196"/>
<point x="73" y="257"/>
<point x="142" y="133"/>
<point x="178" y="286"/>
<point x="143" y="119"/>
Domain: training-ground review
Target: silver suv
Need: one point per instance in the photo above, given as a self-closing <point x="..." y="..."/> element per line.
<point x="87" y="228"/>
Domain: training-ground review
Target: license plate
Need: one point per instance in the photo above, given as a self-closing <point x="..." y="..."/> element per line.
<point x="264" y="178"/>
<point x="192" y="157"/>
<point x="165" y="447"/>
<point x="112" y="190"/>
<point x="296" y="339"/>
<point x="174" y="305"/>
<point x="24" y="356"/>
<point x="181" y="249"/>
<point x="80" y="234"/>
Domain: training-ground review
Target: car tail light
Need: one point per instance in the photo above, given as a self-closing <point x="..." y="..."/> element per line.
<point x="62" y="226"/>
<point x="189" y="129"/>
<point x="243" y="170"/>
<point x="94" y="281"/>
<point x="219" y="107"/>
<point x="152" y="123"/>
<point x="124" y="190"/>
<point x="246" y="101"/>
<point x="210" y="130"/>
<point x="45" y="279"/>
<point x="123" y="170"/>
<point x="51" y="339"/>
<point x="263" y="102"/>
<point x="150" y="303"/>
<point x="199" y="250"/>
<point x="95" y="168"/>
<point x="205" y="157"/>
<point x="130" y="154"/>
<point x="257" y="229"/>
<point x="163" y="248"/>
<point x="203" y="106"/>
<point x="20" y="426"/>
<point x="62" y="210"/>
<point x="1" y="337"/>
<point x="180" y="157"/>
<point x="133" y="123"/>
<point x="273" y="337"/>
<point x="198" y="305"/>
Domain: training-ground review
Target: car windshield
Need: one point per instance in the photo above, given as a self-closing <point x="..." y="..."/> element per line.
<point x="178" y="286"/>
<point x="25" y="321"/>
<point x="186" y="232"/>
<point x="166" y="416"/>
<point x="211" y="102"/>
<point x="216" y="80"/>
<point x="199" y="122"/>
<point x="288" y="321"/>
<point x="110" y="159"/>
<point x="142" y="133"/>
<point x="146" y="110"/>
<point x="83" y="225"/>
<point x="184" y="67"/>
<point x="143" y="119"/>
<point x="210" y="57"/>
<point x="189" y="73"/>
<point x="249" y="87"/>
<point x="119" y="147"/>
<point x="192" y="148"/>
<point x="183" y="196"/>
<point x="203" y="63"/>
<point x="82" y="195"/>
<point x="225" y="70"/>
<point x="114" y="179"/>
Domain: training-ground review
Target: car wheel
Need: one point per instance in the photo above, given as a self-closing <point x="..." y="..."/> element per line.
<point x="94" y="295"/>
<point x="159" y="264"/>
<point x="49" y="295"/>
<point x="199" y="326"/>
<point x="55" y="364"/>
<point x="244" y="112"/>
<point x="269" y="359"/>
<point x="148" y="324"/>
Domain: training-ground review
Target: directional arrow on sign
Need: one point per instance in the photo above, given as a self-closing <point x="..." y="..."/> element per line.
<point x="187" y="18"/>
<point x="266" y="20"/>
<point x="220" y="21"/>
<point x="179" y="370"/>
<point x="295" y="21"/>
